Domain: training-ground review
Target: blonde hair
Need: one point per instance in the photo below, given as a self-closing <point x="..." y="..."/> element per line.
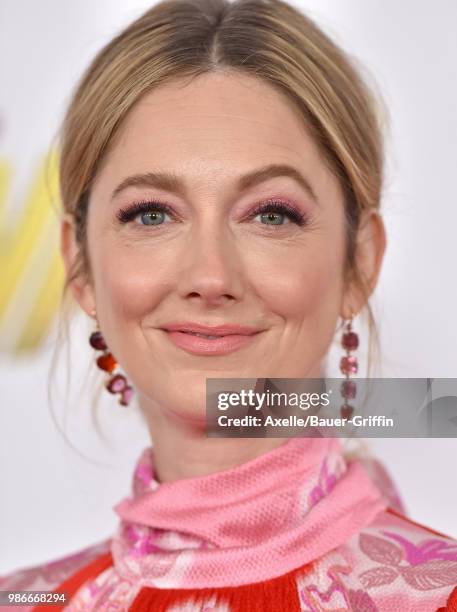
<point x="269" y="39"/>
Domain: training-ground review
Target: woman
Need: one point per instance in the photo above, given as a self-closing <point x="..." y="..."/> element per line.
<point x="221" y="175"/>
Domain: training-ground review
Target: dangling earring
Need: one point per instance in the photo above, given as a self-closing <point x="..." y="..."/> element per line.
<point x="116" y="383"/>
<point x="348" y="365"/>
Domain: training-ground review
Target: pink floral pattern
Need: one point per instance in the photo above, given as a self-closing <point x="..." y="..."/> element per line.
<point x="300" y="504"/>
<point x="428" y="549"/>
<point x="325" y="484"/>
<point x="429" y="570"/>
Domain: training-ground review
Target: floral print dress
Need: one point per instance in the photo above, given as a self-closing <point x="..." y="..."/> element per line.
<point x="300" y="527"/>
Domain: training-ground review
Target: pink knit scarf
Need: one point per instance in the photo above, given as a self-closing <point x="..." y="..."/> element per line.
<point x="250" y="523"/>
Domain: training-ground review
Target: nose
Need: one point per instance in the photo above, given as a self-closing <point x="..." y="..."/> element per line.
<point x="212" y="270"/>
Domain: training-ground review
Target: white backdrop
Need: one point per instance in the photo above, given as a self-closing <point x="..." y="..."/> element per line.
<point x="54" y="502"/>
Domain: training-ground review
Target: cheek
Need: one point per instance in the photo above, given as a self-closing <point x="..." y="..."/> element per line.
<point x="304" y="282"/>
<point x="130" y="284"/>
<point x="293" y="279"/>
<point x="129" y="281"/>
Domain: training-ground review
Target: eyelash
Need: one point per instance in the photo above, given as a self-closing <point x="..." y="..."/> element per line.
<point x="125" y="215"/>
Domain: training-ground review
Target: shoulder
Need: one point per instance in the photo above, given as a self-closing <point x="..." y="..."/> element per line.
<point x="394" y="563"/>
<point x="47" y="576"/>
<point x="401" y="560"/>
<point x="396" y="540"/>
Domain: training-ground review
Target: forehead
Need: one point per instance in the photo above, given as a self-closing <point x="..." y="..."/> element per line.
<point x="209" y="127"/>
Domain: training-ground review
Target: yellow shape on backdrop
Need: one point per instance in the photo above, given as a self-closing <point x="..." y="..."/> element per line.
<point x="5" y="175"/>
<point x="31" y="271"/>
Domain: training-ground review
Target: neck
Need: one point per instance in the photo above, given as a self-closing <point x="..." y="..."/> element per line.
<point x="183" y="450"/>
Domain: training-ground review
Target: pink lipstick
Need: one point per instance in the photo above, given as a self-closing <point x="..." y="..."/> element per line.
<point x="199" y="339"/>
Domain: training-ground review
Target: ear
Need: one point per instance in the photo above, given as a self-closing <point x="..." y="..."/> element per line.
<point x="70" y="250"/>
<point x="370" y="248"/>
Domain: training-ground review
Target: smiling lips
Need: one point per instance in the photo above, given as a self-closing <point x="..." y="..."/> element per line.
<point x="200" y="339"/>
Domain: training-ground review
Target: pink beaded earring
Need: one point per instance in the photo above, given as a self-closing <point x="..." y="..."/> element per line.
<point x="348" y="365"/>
<point x="116" y="383"/>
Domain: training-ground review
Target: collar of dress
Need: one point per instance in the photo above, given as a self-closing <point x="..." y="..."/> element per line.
<point x="247" y="524"/>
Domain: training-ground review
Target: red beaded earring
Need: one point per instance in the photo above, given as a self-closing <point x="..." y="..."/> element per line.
<point x="348" y="365"/>
<point x="116" y="383"/>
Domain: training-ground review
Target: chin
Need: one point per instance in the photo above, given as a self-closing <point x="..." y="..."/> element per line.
<point x="189" y="416"/>
<point x="184" y="400"/>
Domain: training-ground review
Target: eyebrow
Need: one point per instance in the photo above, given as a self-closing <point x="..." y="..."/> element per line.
<point x="171" y="182"/>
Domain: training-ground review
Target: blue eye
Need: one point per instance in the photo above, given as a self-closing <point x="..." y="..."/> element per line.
<point x="151" y="213"/>
<point x="152" y="217"/>
<point x="273" y="211"/>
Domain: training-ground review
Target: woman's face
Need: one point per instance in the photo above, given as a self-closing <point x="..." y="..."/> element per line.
<point x="211" y="259"/>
